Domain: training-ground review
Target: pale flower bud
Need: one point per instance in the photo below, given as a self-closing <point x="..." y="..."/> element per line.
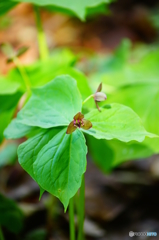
<point x="100" y="96"/>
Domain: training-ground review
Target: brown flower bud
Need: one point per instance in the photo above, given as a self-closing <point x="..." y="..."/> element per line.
<point x="99" y="96"/>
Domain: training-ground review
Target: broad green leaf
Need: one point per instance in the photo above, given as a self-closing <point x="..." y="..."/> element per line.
<point x="144" y="100"/>
<point x="54" y="104"/>
<point x="116" y="121"/>
<point x="82" y="83"/>
<point x="8" y="154"/>
<point x="56" y="161"/>
<point x="29" y="149"/>
<point x="11" y="216"/>
<point x="78" y="8"/>
<point x="137" y="86"/>
<point x="109" y="154"/>
<point x="17" y="130"/>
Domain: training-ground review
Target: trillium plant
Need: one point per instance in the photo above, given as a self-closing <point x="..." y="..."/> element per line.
<point x="55" y="119"/>
<point x="55" y="152"/>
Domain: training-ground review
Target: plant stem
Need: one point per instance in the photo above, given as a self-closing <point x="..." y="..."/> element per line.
<point x="81" y="210"/>
<point x="71" y="219"/>
<point x="43" y="49"/>
<point x="87" y="99"/>
<point x="1" y="234"/>
<point x="23" y="73"/>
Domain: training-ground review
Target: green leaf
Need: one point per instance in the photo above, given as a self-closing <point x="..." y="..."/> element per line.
<point x="82" y="82"/>
<point x="114" y="76"/>
<point x="5" y="6"/>
<point x="11" y="217"/>
<point x="116" y="121"/>
<point x="9" y="101"/>
<point x="5" y="118"/>
<point x="56" y="161"/>
<point x="101" y="153"/>
<point x="145" y="104"/>
<point x="41" y="192"/>
<point x="8" y="154"/>
<point x="36" y="234"/>
<point x="8" y="86"/>
<point x="17" y="130"/>
<point x="109" y="154"/>
<point x="41" y="72"/>
<point x="78" y="8"/>
<point x="54" y="104"/>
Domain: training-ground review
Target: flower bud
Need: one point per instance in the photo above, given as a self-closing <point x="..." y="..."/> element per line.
<point x="100" y="96"/>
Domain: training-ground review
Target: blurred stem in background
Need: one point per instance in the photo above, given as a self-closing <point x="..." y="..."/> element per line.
<point x="81" y="210"/>
<point x="71" y="219"/>
<point x="23" y="73"/>
<point x="43" y="49"/>
<point x="1" y="234"/>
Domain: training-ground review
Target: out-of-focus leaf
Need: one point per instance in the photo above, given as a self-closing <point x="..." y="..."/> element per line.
<point x="21" y="51"/>
<point x="8" y="86"/>
<point x="77" y="8"/>
<point x="41" y="72"/>
<point x="38" y="234"/>
<point x="5" y="119"/>
<point x="136" y="85"/>
<point x="7" y="50"/>
<point x="101" y="153"/>
<point x="9" y="101"/>
<point x="8" y="154"/>
<point x="10" y="215"/>
<point x="144" y="100"/>
<point x="5" y="6"/>
<point x="109" y="154"/>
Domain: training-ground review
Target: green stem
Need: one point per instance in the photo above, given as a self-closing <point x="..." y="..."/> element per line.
<point x="41" y="35"/>
<point x="23" y="73"/>
<point x="1" y="234"/>
<point x="87" y="99"/>
<point x="81" y="210"/>
<point x="50" y="204"/>
<point x="71" y="219"/>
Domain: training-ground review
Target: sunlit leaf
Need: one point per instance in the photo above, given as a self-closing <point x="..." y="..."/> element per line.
<point x="119" y="122"/>
<point x="52" y="105"/>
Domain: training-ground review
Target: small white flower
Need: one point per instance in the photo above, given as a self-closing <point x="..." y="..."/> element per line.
<point x="100" y="96"/>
